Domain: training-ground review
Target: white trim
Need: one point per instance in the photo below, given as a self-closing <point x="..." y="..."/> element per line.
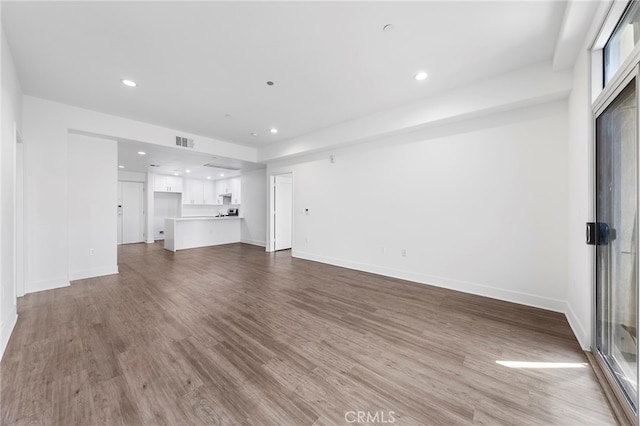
<point x="271" y="183"/>
<point x="6" y="328"/>
<point x="578" y="328"/>
<point x="616" y="9"/>
<point x="92" y="273"/>
<point x="613" y="89"/>
<point x="611" y="21"/>
<point x="19" y="234"/>
<point x="547" y="303"/>
<point x="14" y="204"/>
<point x="35" y="286"/>
<point x="254" y="242"/>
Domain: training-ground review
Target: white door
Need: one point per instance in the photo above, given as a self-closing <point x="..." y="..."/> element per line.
<point x="283" y="195"/>
<point x="130" y="212"/>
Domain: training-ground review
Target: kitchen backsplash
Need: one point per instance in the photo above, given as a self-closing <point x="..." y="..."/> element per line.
<point x="202" y="210"/>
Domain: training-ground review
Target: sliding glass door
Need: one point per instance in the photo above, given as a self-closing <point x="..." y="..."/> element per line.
<point x="616" y="242"/>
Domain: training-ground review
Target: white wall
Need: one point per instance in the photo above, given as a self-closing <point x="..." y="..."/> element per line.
<point x="580" y="270"/>
<point x="581" y="183"/>
<point x="45" y="132"/>
<point x="479" y="207"/>
<point x="128" y="176"/>
<point x="254" y="207"/>
<point x="165" y="205"/>
<point x="46" y="155"/>
<point x="11" y="112"/>
<point x="93" y="199"/>
<point x="532" y="85"/>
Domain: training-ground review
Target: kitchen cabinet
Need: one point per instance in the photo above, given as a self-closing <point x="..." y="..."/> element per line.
<point x="164" y="183"/>
<point x="221" y="187"/>
<point x="198" y="191"/>
<point x="209" y="192"/>
<point x="191" y="232"/>
<point x="236" y="190"/>
<point x="230" y="187"/>
<point x="193" y="192"/>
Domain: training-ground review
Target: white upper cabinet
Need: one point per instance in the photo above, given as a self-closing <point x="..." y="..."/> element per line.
<point x="220" y="188"/>
<point x="223" y="187"/>
<point x="236" y="190"/>
<point x="228" y="187"/>
<point x="209" y="192"/>
<point x="193" y="192"/>
<point x="164" y="183"/>
<point x="198" y="191"/>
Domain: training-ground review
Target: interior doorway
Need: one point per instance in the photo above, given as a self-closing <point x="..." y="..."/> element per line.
<point x="130" y="212"/>
<point x="283" y="211"/>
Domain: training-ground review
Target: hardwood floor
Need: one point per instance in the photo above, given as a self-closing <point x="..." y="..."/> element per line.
<point x="234" y="335"/>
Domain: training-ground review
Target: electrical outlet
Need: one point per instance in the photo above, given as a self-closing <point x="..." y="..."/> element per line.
<point x="92" y="252"/>
<point x="404" y="252"/>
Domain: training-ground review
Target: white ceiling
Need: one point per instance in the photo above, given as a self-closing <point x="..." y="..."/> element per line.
<point x="330" y="61"/>
<point x="172" y="161"/>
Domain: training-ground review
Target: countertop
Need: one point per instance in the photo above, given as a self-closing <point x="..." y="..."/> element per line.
<point x="182" y="219"/>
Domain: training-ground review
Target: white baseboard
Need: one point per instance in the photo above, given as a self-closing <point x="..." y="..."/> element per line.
<point x="6" y="328"/>
<point x="150" y="241"/>
<point x="35" y="286"/>
<point x="92" y="273"/>
<point x="254" y="242"/>
<point x="578" y="328"/>
<point x="547" y="303"/>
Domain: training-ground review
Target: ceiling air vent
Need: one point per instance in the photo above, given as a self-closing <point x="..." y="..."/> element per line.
<point x="185" y="142"/>
<point x="220" y="166"/>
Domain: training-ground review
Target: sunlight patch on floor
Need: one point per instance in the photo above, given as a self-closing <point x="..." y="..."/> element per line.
<point x="528" y="364"/>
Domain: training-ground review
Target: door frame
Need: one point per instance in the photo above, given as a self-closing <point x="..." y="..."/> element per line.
<point x="143" y="213"/>
<point x="603" y="102"/>
<point x="275" y="219"/>
<point x="270" y="245"/>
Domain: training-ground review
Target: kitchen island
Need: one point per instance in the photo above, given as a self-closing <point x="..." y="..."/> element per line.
<point x="190" y="232"/>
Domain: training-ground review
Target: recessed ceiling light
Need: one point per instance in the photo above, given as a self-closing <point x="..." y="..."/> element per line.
<point x="420" y="76"/>
<point x="129" y="83"/>
<point x="273" y="130"/>
<point x="387" y="28"/>
<point x="208" y="177"/>
<point x="254" y="134"/>
<point x="188" y="171"/>
<point x="142" y="153"/>
<point x="176" y="174"/>
<point x="221" y="174"/>
<point x="121" y="167"/>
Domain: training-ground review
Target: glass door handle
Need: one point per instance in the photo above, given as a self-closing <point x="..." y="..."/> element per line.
<point x="598" y="233"/>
